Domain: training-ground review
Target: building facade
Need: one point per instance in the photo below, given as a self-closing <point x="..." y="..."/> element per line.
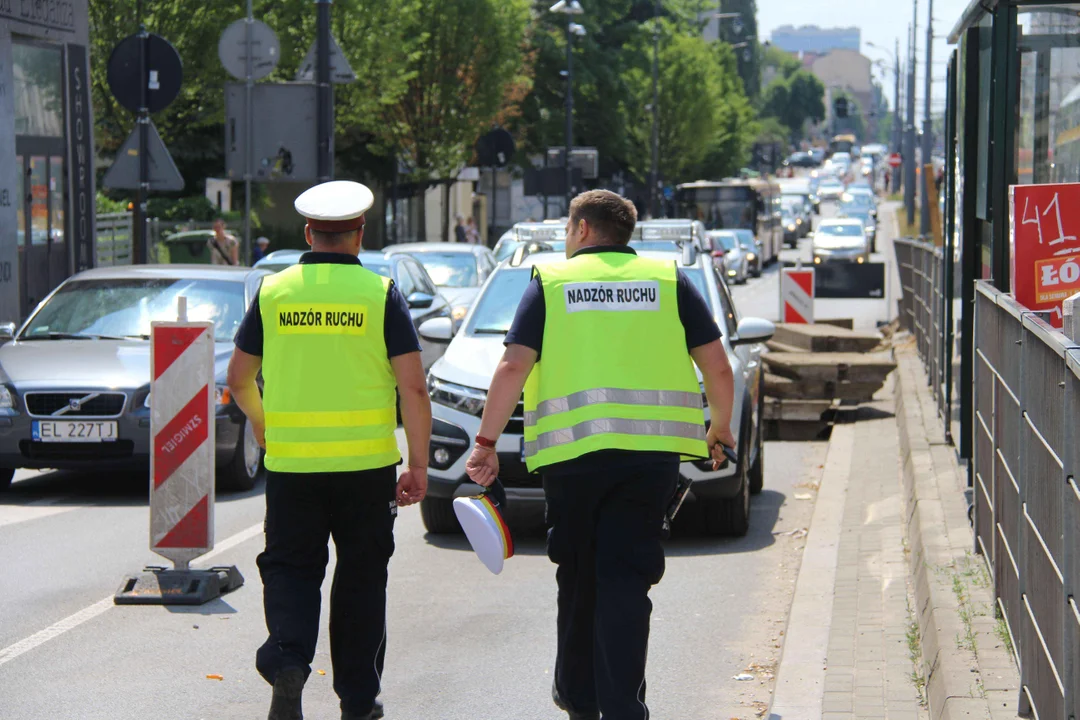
<point x="46" y="150"/>
<point x="814" y="39"/>
<point x="848" y="71"/>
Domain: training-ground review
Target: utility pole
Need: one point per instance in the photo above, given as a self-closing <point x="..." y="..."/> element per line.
<point x="325" y="106"/>
<point x="654" y="172"/>
<point x="897" y="127"/>
<point x="928" y="129"/>
<point x="909" y="128"/>
<point x="139" y="245"/>
<point x="569" y="111"/>
<point x="249" y="131"/>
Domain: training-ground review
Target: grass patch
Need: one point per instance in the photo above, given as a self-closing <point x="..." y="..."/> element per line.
<point x="914" y="644"/>
<point x="966" y="641"/>
<point x="1002" y="632"/>
<point x="910" y="231"/>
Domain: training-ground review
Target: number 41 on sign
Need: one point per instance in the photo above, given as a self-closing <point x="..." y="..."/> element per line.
<point x="1044" y="225"/>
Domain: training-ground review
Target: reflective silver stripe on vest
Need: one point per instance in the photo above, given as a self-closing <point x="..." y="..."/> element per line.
<point x="604" y="426"/>
<point x="652" y="398"/>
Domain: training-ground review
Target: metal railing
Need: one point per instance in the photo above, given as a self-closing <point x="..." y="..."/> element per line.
<point x="113" y="239"/>
<point x="1025" y="465"/>
<point x="922" y="305"/>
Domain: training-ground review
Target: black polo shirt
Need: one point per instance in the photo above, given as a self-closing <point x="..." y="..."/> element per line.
<point x="697" y="320"/>
<point x="398" y="330"/>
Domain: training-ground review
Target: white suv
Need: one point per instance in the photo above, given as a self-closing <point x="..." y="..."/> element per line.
<point x="458" y="384"/>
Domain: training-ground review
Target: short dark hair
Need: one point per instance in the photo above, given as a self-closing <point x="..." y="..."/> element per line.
<point x="337" y="239"/>
<point x="612" y="216"/>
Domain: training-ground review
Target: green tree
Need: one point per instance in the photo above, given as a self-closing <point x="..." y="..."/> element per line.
<point x="467" y="56"/>
<point x="701" y="111"/>
<point x="795" y="99"/>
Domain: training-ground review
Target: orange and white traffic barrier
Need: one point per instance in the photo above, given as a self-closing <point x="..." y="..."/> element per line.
<point x="797" y="295"/>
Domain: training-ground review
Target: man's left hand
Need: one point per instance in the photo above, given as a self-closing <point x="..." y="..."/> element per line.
<point x="411" y="486"/>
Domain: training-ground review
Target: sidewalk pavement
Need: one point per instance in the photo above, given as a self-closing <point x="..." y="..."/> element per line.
<point x="892" y="616"/>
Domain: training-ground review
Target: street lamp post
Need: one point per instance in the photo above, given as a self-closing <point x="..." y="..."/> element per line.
<point x="654" y="167"/>
<point x="570" y="9"/>
<point x="896" y="128"/>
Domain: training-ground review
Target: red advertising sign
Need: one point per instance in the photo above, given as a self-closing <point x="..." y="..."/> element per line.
<point x="1044" y="230"/>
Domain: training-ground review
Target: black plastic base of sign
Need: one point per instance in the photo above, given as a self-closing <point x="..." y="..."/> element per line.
<point x="160" y="586"/>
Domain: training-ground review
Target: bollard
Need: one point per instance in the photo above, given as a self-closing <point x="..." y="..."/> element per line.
<point x="182" y="472"/>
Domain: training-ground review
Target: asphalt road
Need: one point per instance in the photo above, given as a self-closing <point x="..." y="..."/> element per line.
<point x="462" y="643"/>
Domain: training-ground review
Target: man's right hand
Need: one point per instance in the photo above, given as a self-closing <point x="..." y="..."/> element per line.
<point x="411" y="486"/>
<point x="717" y="437"/>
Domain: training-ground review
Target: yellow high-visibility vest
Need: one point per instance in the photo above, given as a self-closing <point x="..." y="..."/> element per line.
<point x="329" y="391"/>
<point x="614" y="373"/>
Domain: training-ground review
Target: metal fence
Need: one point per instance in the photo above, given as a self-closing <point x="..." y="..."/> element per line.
<point x="113" y="239"/>
<point x="1025" y="465"/>
<point x="922" y="308"/>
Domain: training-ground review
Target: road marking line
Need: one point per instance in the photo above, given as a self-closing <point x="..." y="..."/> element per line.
<point x="15" y="514"/>
<point x="89" y="613"/>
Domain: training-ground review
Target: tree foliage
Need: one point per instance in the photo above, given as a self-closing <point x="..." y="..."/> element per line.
<point x="795" y="99"/>
<point x="703" y="112"/>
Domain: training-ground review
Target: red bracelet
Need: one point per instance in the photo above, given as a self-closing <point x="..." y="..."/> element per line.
<point x="485" y="443"/>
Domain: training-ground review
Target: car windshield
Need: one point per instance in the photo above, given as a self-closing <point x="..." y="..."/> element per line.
<point x="506" y="248"/>
<point x="124" y="308"/>
<point x="745" y="237"/>
<point x="791" y="203"/>
<point x="845" y="230"/>
<point x="856" y="211"/>
<point x="379" y="267"/>
<point x="496" y="307"/>
<point x="725" y="240"/>
<point x="697" y="277"/>
<point x="456" y="270"/>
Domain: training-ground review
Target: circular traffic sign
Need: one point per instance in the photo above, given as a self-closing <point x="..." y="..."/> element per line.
<point x="162" y="78"/>
<point x="895" y="161"/>
<point x="232" y="50"/>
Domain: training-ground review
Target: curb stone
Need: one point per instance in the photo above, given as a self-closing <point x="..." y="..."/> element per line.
<point x="969" y="672"/>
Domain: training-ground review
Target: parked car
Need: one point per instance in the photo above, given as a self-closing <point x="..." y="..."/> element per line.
<point x="730" y="256"/>
<point x="841" y="240"/>
<point x="75" y="378"/>
<point x="801" y="159"/>
<point x="410" y="277"/>
<point x="459" y="382"/>
<point x="458" y="270"/>
<point x="548" y="232"/>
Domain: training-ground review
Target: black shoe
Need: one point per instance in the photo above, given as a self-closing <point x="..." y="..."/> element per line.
<point x="574" y="715"/>
<point x="288" y="687"/>
<point x="375" y="713"/>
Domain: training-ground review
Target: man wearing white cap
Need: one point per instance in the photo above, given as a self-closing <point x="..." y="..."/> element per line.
<point x="333" y="341"/>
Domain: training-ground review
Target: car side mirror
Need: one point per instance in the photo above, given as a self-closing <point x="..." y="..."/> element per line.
<point x="753" y="330"/>
<point x="440" y="329"/>
<point x="689" y="254"/>
<point x="420" y="300"/>
<point x="7" y="331"/>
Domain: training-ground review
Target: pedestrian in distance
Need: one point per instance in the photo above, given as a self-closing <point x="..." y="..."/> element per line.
<point x="333" y="341"/>
<point x="461" y="234"/>
<point x="259" y="251"/>
<point x="472" y="233"/>
<point x="224" y="247"/>
<point x="604" y="347"/>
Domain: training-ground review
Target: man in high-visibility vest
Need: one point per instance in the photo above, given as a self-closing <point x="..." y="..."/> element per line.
<point x="602" y="346"/>
<point x="333" y="340"/>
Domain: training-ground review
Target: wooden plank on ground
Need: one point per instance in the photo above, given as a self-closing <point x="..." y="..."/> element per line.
<point x="826" y="338"/>
<point x="831" y="367"/>
<point x="788" y="389"/>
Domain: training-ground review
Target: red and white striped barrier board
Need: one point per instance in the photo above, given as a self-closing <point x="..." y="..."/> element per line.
<point x="182" y="433"/>
<point x="797" y="295"/>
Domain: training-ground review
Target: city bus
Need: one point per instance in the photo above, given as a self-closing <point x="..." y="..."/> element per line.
<point x="844" y="143"/>
<point x="752" y="204"/>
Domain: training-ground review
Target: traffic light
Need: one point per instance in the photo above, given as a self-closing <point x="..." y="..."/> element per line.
<point x="840" y="107"/>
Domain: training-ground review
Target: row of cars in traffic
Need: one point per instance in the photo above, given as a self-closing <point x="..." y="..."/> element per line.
<point x="75" y="376"/>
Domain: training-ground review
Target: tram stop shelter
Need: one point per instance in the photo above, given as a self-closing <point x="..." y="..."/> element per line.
<point x="1007" y="383"/>
<point x="46" y="150"/>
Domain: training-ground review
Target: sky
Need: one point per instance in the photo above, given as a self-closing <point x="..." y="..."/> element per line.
<point x="881" y="22"/>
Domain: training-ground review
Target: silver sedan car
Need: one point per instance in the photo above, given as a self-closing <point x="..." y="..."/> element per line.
<point x="730" y="255"/>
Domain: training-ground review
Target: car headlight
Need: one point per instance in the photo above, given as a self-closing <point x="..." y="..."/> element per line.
<point x="459" y="312"/>
<point x="751" y="257"/>
<point x="790" y="227"/>
<point x="222" y="397"/>
<point x="7" y="402"/>
<point x="799" y="221"/>
<point x="459" y="397"/>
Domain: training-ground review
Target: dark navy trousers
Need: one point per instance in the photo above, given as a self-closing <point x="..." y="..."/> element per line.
<point x="606" y="538"/>
<point x="303" y="511"/>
